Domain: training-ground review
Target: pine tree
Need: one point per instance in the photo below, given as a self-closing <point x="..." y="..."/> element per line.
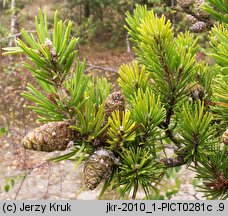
<point x="167" y="98"/>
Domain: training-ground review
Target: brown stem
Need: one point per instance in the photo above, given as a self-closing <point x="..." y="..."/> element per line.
<point x="169" y="133"/>
<point x="169" y="113"/>
<point x="171" y="96"/>
<point x="173" y="162"/>
<point x="97" y="67"/>
<point x="198" y="17"/>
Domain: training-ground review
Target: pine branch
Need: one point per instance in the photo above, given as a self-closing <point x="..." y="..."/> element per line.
<point x="169" y="133"/>
<point x="198" y="17"/>
<point x="15" y="35"/>
<point x="173" y="162"/>
<point x="97" y="67"/>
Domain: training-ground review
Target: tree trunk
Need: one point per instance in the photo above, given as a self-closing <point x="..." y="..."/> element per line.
<point x="101" y="13"/>
<point x="86" y="9"/>
<point x="13" y="20"/>
<point x="128" y="43"/>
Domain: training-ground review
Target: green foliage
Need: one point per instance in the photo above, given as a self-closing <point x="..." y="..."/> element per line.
<point x="132" y="78"/>
<point x="90" y="120"/>
<point x="219" y="41"/>
<point x="218" y="9"/>
<point x="148" y="113"/>
<point x="197" y="133"/>
<point x="138" y="169"/>
<point x="76" y="86"/>
<point x="98" y="90"/>
<point x="9" y="183"/>
<point x="66" y="94"/>
<point x="205" y="76"/>
<point x="53" y="60"/>
<point x="170" y="60"/>
<point x="3" y="130"/>
<point x="169" y="185"/>
<point x="213" y="171"/>
<point x="171" y="64"/>
<point x="86" y="30"/>
<point x="121" y="130"/>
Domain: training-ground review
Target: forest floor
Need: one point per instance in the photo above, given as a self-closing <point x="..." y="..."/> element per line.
<point x="34" y="176"/>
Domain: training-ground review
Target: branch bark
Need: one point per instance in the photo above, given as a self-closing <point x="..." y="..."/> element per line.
<point x="198" y="17"/>
<point x="14" y="35"/>
<point x="173" y="162"/>
<point x="96" y="67"/>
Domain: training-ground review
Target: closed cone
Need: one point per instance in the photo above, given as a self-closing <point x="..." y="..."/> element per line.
<point x="185" y="3"/>
<point x="98" y="168"/>
<point x="115" y="101"/>
<point x="198" y="7"/>
<point x="53" y="136"/>
<point x="199" y="27"/>
<point x="191" y="19"/>
<point x="197" y="92"/>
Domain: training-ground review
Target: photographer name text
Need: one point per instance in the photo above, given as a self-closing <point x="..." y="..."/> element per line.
<point x="23" y="207"/>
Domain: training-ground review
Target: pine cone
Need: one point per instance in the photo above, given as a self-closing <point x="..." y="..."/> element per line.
<point x="225" y="137"/>
<point x="185" y="3"/>
<point x="198" y="6"/>
<point x="220" y="184"/>
<point x="191" y="19"/>
<point x="53" y="136"/>
<point x="199" y="27"/>
<point x="98" y="168"/>
<point x="197" y="92"/>
<point x="115" y="101"/>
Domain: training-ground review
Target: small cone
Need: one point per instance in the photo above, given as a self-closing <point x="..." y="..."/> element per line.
<point x="198" y="6"/>
<point x="219" y="184"/>
<point x="115" y="101"/>
<point x="199" y="27"/>
<point x="98" y="168"/>
<point x="191" y="19"/>
<point x="185" y="3"/>
<point x="53" y="136"/>
<point x="197" y="92"/>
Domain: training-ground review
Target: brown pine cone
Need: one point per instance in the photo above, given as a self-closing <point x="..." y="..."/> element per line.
<point x="53" y="136"/>
<point x="199" y="27"/>
<point x="198" y="6"/>
<point x="197" y="92"/>
<point x="191" y="19"/>
<point x="185" y="3"/>
<point x="98" y="167"/>
<point x="115" y="101"/>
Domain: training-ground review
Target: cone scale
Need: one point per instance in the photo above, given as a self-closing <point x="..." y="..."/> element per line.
<point x="98" y="168"/>
<point x="53" y="136"/>
<point x="115" y="101"/>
